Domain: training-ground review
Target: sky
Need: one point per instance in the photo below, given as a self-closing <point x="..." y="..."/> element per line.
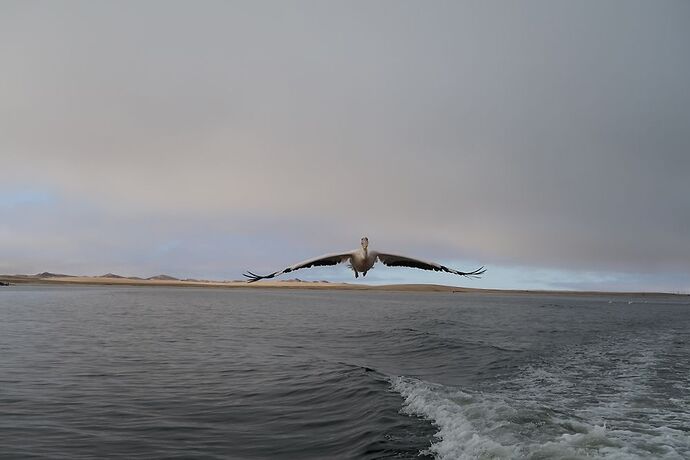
<point x="546" y="140"/>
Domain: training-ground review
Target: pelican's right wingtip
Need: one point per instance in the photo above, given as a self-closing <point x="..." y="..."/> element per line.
<point x="253" y="277"/>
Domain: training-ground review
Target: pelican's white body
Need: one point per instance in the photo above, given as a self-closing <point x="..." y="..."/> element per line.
<point x="362" y="260"/>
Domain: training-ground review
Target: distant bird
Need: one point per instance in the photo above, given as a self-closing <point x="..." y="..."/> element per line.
<point x="362" y="260"/>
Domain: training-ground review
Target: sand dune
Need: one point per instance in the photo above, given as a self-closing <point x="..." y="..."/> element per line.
<point x="166" y="280"/>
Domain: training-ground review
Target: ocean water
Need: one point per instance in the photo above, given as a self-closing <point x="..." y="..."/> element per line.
<point x="127" y="372"/>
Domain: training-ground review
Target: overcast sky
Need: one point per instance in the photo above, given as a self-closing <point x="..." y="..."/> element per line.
<point x="549" y="141"/>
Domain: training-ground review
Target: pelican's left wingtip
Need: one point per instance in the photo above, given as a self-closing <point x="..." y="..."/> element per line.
<point x="479" y="272"/>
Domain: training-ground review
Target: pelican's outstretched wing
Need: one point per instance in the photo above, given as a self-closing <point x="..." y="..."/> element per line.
<point x="328" y="259"/>
<point x="392" y="260"/>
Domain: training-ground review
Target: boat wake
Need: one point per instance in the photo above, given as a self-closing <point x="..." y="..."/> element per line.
<point x="596" y="401"/>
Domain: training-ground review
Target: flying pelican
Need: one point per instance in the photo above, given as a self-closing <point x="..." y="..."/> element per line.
<point x="362" y="260"/>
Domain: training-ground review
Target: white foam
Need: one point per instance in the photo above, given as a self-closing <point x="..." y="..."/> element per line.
<point x="458" y="437"/>
<point x="589" y="402"/>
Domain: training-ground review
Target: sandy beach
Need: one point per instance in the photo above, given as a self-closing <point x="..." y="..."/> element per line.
<point x="164" y="280"/>
<point x="289" y="283"/>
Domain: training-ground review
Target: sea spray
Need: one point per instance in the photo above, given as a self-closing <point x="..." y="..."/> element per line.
<point x="452" y="412"/>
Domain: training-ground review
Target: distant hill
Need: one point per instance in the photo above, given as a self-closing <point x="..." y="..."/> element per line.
<point x="163" y="278"/>
<point x="111" y="275"/>
<point x="51" y="275"/>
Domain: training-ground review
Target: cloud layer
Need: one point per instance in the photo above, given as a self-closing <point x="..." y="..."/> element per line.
<point x="546" y="134"/>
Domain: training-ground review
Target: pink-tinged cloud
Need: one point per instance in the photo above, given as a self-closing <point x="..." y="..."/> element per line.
<point x="245" y="135"/>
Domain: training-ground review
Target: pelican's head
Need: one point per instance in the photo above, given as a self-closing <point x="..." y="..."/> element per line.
<point x="365" y="242"/>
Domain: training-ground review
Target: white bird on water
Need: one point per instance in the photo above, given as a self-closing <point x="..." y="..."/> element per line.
<point x="361" y="260"/>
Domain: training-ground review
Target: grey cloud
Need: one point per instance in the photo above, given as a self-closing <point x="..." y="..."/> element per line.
<point x="544" y="133"/>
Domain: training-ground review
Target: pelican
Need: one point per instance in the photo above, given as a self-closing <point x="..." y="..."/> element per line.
<point x="361" y="260"/>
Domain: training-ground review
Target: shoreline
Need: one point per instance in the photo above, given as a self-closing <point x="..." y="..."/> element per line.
<point x="297" y="284"/>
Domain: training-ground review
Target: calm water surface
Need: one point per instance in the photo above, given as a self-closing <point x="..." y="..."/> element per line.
<point x="96" y="372"/>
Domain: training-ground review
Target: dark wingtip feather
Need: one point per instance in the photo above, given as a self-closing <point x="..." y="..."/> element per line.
<point x="473" y="274"/>
<point x="478" y="272"/>
<point x="253" y="277"/>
